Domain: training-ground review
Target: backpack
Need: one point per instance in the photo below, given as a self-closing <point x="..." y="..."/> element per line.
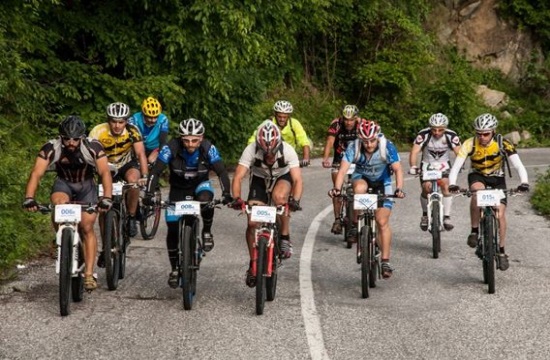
<point x="499" y="140"/>
<point x="203" y="153"/>
<point x="280" y="161"/>
<point x="425" y="143"/>
<point x="382" y="141"/>
<point x="84" y="149"/>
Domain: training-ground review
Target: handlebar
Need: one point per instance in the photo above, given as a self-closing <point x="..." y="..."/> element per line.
<point x="469" y="193"/>
<point x="90" y="208"/>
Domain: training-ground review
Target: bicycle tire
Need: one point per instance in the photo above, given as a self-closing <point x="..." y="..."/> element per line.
<point x="77" y="282"/>
<point x="187" y="270"/>
<point x="261" y="268"/>
<point x="271" y="282"/>
<point x="65" y="271"/>
<point x="374" y="261"/>
<point x="123" y="238"/>
<point x="111" y="249"/>
<point x="489" y="243"/>
<point x="349" y="216"/>
<point x="436" y="229"/>
<point x="363" y="244"/>
<point x="150" y="218"/>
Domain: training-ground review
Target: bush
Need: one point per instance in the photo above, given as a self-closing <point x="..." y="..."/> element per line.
<point x="541" y="194"/>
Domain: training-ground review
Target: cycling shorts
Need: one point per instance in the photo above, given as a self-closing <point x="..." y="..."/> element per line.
<point x="84" y="191"/>
<point x="378" y="188"/>
<point x="258" y="188"/>
<point x="494" y="182"/>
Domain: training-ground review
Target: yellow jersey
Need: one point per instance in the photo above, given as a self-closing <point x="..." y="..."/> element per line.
<point x="486" y="160"/>
<point x="119" y="149"/>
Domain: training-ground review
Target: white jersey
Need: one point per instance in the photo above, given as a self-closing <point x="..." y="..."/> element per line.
<point x="436" y="150"/>
<point x="286" y="159"/>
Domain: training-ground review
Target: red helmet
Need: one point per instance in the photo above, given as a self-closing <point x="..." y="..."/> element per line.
<point x="268" y="137"/>
<point x="367" y="129"/>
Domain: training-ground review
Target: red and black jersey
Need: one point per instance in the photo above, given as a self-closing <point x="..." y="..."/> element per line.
<point x="342" y="136"/>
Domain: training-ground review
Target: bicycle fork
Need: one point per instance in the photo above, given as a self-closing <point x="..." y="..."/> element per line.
<point x="74" y="249"/>
<point x="268" y="235"/>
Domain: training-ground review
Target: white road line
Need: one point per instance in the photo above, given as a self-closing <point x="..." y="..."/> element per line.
<point x="312" y="322"/>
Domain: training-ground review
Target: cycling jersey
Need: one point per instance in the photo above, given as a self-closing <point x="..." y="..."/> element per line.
<point x="119" y="149"/>
<point x="253" y="159"/>
<point x="343" y="137"/>
<point x="150" y="134"/>
<point x="72" y="166"/>
<point x="374" y="169"/>
<point x="436" y="150"/>
<point x="486" y="160"/>
<point x="293" y="133"/>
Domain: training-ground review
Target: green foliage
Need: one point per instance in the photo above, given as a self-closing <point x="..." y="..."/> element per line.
<point x="534" y="14"/>
<point x="541" y="194"/>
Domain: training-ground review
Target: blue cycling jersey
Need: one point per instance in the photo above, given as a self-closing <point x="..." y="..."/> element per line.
<point x="191" y="160"/>
<point x="374" y="169"/>
<point x="150" y="134"/>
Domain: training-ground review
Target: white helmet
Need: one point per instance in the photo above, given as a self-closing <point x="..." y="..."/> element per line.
<point x="350" y="111"/>
<point x="283" y="106"/>
<point x="118" y="110"/>
<point x="485" y="122"/>
<point x="439" y="120"/>
<point x="268" y="137"/>
<point x="191" y="127"/>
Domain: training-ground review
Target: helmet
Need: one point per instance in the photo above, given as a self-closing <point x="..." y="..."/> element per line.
<point x="191" y="127"/>
<point x="72" y="126"/>
<point x="485" y="122"/>
<point x="151" y="107"/>
<point x="439" y="120"/>
<point x="268" y="137"/>
<point x="118" y="110"/>
<point x="367" y="129"/>
<point x="350" y="111"/>
<point x="283" y="106"/>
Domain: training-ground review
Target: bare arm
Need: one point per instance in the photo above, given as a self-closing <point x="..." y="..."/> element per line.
<point x="339" y="181"/>
<point x="414" y="155"/>
<point x="398" y="171"/>
<point x="329" y="144"/>
<point x="297" y="186"/>
<point x="38" y="171"/>
<point x="139" y="150"/>
<point x="102" y="168"/>
<point x="238" y="177"/>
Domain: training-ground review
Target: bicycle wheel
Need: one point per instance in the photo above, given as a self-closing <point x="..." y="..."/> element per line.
<point x="150" y="218"/>
<point x="77" y="282"/>
<point x="261" y="268"/>
<point x="349" y="216"/>
<point x="271" y="282"/>
<point x="365" y="261"/>
<point x="65" y="271"/>
<point x="124" y="239"/>
<point x="374" y="256"/>
<point x="436" y="228"/>
<point x="111" y="249"/>
<point x="489" y="258"/>
<point x="187" y="270"/>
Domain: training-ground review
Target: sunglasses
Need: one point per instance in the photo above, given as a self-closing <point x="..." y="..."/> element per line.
<point x="66" y="138"/>
<point x="484" y="134"/>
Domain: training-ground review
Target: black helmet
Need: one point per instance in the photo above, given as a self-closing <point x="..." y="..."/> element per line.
<point x="72" y="127"/>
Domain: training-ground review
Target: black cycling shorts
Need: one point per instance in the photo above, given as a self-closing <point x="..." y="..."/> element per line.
<point x="493" y="182"/>
<point x="84" y="191"/>
<point x="258" y="190"/>
<point x="121" y="173"/>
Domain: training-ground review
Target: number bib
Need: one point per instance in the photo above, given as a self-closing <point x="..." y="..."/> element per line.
<point x="365" y="201"/>
<point x="264" y="214"/>
<point x="67" y="213"/>
<point x="489" y="197"/>
<point x="188" y="207"/>
<point x="117" y="188"/>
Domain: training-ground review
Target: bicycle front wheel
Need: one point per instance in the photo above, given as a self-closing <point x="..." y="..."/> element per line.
<point x="365" y="261"/>
<point x="187" y="269"/>
<point x="111" y="249"/>
<point x="436" y="228"/>
<point x="261" y="269"/>
<point x="65" y="271"/>
<point x="150" y="218"/>
<point x="77" y="282"/>
<point x="489" y="239"/>
<point x="123" y="239"/>
<point x="271" y="281"/>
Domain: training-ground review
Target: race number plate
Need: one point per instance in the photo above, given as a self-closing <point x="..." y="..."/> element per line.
<point x="264" y="214"/>
<point x="489" y="197"/>
<point x="365" y="201"/>
<point x="67" y="213"/>
<point x="432" y="175"/>
<point x="187" y="208"/>
<point x="117" y="188"/>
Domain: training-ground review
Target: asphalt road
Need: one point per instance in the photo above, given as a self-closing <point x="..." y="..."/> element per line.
<point x="429" y="309"/>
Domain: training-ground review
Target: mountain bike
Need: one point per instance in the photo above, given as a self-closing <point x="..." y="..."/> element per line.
<point x="346" y="209"/>
<point x="434" y="173"/>
<point x="190" y="246"/>
<point x="70" y="254"/>
<point x="115" y="237"/>
<point x="487" y="250"/>
<point x="368" y="251"/>
<point x="150" y="217"/>
<point x="267" y="244"/>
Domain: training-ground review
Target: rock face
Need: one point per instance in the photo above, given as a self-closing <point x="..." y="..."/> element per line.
<point x="487" y="40"/>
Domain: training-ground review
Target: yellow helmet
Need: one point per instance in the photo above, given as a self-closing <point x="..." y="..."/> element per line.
<point x="151" y="107"/>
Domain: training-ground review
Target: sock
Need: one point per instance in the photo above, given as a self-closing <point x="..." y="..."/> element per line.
<point x="285" y="237"/>
<point x="385" y="260"/>
<point x="502" y="250"/>
<point x="475" y="230"/>
<point x="447" y="203"/>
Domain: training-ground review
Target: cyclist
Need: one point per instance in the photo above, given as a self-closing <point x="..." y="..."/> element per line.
<point x="341" y="132"/>
<point x="275" y="167"/>
<point x="375" y="159"/>
<point x="75" y="160"/>
<point x="291" y="130"/>
<point x="488" y="153"/>
<point x="190" y="159"/>
<point x="153" y="126"/>
<point x="124" y="148"/>
<point x="435" y="143"/>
